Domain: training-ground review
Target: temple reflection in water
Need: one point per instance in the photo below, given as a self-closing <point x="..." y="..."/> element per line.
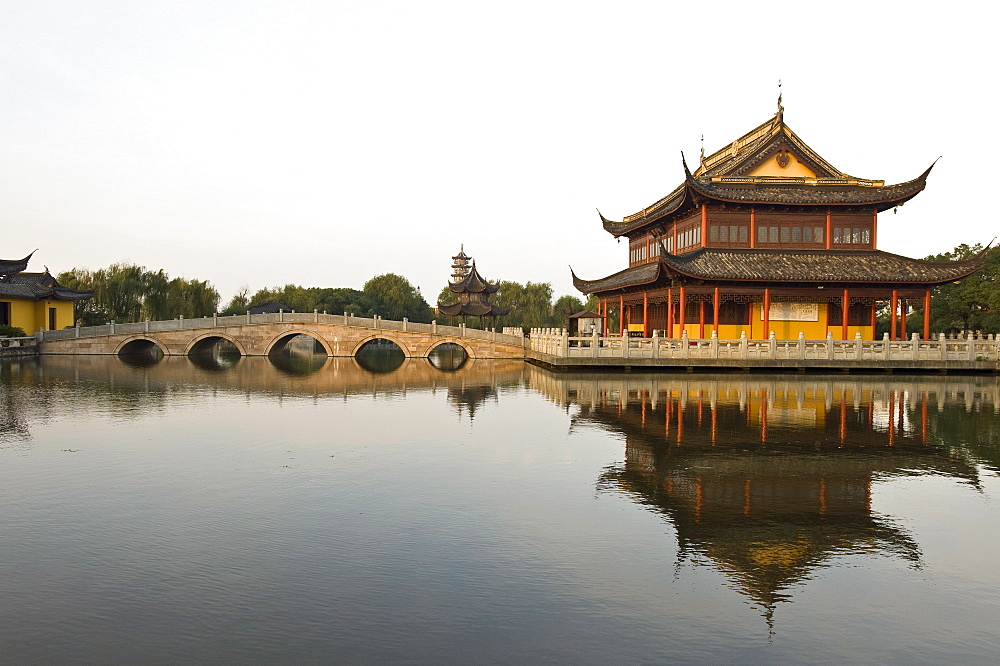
<point x="770" y="478"/>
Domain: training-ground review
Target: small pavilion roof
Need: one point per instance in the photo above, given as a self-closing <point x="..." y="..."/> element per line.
<point x="586" y="314"/>
<point x="270" y="307"/>
<point x="781" y="265"/>
<point x="473" y="309"/>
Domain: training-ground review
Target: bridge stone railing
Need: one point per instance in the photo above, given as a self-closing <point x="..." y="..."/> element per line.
<point x="215" y="321"/>
<point x="556" y="342"/>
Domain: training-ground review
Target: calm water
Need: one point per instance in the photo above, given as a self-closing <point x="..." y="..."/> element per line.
<point x="312" y="510"/>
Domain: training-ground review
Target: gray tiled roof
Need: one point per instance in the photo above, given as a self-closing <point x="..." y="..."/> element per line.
<point x="799" y="266"/>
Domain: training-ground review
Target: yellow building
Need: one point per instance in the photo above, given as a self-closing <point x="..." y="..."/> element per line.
<point x="34" y="301"/>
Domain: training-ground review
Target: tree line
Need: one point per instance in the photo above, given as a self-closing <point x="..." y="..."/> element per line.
<point x="125" y="292"/>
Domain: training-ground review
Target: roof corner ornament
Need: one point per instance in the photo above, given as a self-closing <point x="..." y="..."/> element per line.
<point x="702" y="160"/>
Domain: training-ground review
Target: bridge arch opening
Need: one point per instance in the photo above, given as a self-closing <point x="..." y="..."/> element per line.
<point x="448" y="356"/>
<point x="380" y="355"/>
<point x="140" y="352"/>
<point x="214" y="353"/>
<point x="298" y="353"/>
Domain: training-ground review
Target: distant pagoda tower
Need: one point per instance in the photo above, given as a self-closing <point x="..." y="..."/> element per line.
<point x="473" y="292"/>
<point x="460" y="267"/>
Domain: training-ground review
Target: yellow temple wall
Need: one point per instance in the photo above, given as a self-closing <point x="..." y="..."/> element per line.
<point x="783" y="330"/>
<point x="33" y="315"/>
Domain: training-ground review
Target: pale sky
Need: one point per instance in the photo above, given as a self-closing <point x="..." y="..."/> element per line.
<point x="322" y="143"/>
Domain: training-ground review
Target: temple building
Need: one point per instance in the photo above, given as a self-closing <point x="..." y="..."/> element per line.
<point x="767" y="237"/>
<point x="473" y="292"/>
<point x="35" y="301"/>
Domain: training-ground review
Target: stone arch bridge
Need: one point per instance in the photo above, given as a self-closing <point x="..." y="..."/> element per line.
<point x="261" y="335"/>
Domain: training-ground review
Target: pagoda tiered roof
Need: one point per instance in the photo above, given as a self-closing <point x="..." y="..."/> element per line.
<point x="473" y="293"/>
<point x="734" y="175"/>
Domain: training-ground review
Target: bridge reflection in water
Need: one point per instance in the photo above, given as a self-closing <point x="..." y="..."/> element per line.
<point x="771" y="479"/>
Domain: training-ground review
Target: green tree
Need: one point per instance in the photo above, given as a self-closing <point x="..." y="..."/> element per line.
<point x="127" y="292"/>
<point x="393" y="297"/>
<point x="563" y="308"/>
<point x="973" y="304"/>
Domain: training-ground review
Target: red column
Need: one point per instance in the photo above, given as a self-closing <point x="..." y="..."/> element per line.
<point x="874" y="321"/>
<point x="927" y="315"/>
<point x="902" y="319"/>
<point x="604" y="312"/>
<point x="670" y="313"/>
<point x="704" y="226"/>
<point x="753" y="228"/>
<point x="874" y="226"/>
<point x="680" y="311"/>
<point x="893" y="307"/>
<point x="701" y="319"/>
<point x="715" y="311"/>
<point x="767" y="313"/>
<point x="829" y="230"/>
<point x="843" y="319"/>
<point x="621" y="314"/>
<point x="645" y="315"/>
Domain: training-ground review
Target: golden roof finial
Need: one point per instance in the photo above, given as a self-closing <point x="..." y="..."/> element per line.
<point x="781" y="110"/>
<point x="703" y="150"/>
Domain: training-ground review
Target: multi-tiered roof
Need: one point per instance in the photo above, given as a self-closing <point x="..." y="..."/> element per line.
<point x="771" y="170"/>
